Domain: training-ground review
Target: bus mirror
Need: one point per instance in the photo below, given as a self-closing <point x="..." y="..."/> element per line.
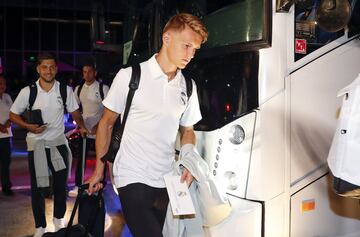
<point x="333" y="15"/>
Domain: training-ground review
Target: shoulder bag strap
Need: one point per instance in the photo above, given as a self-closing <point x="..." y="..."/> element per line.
<point x="133" y="86"/>
<point x="101" y="90"/>
<point x="119" y="125"/>
<point x="63" y="94"/>
<point x="33" y="94"/>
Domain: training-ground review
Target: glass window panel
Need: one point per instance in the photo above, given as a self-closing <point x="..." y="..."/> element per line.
<point x="65" y="14"/>
<point x="66" y="58"/>
<point x="48" y="35"/>
<point x="48" y="13"/>
<point x="13" y="64"/>
<point x="114" y="34"/>
<point x="30" y="13"/>
<point x="31" y="28"/>
<point x="67" y="72"/>
<point x="14" y="31"/>
<point x="308" y="35"/>
<point x="66" y="36"/>
<point x="354" y="24"/>
<point x="83" y="4"/>
<point x="83" y="15"/>
<point x="82" y="41"/>
<point x="114" y="28"/>
<point x="30" y="73"/>
<point x="2" y="35"/>
<point x="31" y="35"/>
<point x="13" y="69"/>
<point x="227" y="87"/>
<point x="68" y="4"/>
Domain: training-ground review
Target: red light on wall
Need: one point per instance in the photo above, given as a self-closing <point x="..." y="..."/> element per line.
<point x="227" y="108"/>
<point x="99" y="42"/>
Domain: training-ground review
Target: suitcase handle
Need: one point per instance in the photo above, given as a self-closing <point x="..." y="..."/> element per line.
<point x="84" y="187"/>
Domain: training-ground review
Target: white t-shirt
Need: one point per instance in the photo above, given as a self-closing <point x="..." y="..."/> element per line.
<point x="147" y="148"/>
<point x="5" y="105"/>
<point x="91" y="102"/>
<point x="51" y="105"/>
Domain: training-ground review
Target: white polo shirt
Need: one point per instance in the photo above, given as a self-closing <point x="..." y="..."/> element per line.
<point x="343" y="158"/>
<point x="51" y="105"/>
<point x="91" y="102"/>
<point x="147" y="148"/>
<point x="5" y="104"/>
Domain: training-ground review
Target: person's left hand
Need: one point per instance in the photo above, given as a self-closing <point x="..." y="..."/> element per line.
<point x="186" y="176"/>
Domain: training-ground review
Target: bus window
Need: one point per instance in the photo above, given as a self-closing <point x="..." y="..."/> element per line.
<point x="227" y="87"/>
<point x="310" y="36"/>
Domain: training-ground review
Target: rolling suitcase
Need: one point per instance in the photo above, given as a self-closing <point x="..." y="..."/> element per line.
<point x="92" y="213"/>
<point x="91" y="217"/>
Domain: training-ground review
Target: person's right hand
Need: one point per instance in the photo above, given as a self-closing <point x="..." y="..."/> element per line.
<point x="84" y="132"/>
<point x="34" y="128"/>
<point x="94" y="183"/>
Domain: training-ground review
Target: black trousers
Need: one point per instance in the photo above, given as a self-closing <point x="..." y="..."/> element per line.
<point x="59" y="179"/>
<point x="79" y="172"/>
<point x="144" y="208"/>
<point x="5" y="152"/>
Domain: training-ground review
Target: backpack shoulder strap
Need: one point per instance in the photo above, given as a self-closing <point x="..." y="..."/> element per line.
<point x="189" y="87"/>
<point x="133" y="86"/>
<point x="135" y="77"/>
<point x="63" y="93"/>
<point x="101" y="90"/>
<point x="33" y="94"/>
<point x="79" y="89"/>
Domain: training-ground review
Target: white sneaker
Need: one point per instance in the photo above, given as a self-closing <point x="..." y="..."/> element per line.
<point x="74" y="192"/>
<point x="39" y="232"/>
<point x="58" y="223"/>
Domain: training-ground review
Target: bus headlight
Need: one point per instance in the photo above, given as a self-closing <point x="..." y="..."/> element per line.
<point x="236" y="134"/>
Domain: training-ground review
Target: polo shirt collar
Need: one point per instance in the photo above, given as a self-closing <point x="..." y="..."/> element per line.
<point x="156" y="70"/>
<point x="91" y="85"/>
<point x="40" y="89"/>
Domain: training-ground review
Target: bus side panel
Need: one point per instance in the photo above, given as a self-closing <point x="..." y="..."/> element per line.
<point x="317" y="211"/>
<point x="314" y="107"/>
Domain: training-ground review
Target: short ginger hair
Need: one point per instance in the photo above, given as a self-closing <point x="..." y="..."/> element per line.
<point x="179" y="21"/>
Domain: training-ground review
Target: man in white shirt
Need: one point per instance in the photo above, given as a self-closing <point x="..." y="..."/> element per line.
<point x="159" y="109"/>
<point x="47" y="145"/>
<point x="5" y="135"/>
<point x="89" y="96"/>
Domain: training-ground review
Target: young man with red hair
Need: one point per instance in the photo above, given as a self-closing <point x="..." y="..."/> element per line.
<point x="159" y="109"/>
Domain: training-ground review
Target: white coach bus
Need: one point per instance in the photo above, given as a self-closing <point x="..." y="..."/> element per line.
<point x="267" y="82"/>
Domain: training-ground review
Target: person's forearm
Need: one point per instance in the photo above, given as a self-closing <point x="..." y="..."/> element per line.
<point x="187" y="137"/>
<point x="103" y="137"/>
<point x="76" y="115"/>
<point x="17" y="119"/>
